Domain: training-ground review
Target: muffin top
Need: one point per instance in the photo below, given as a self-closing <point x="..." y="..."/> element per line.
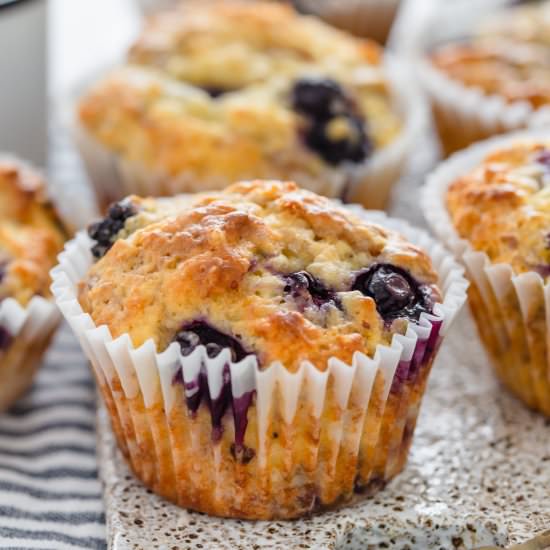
<point x="263" y="268"/>
<point x="503" y="206"/>
<point x="31" y="235"/>
<point x="230" y="90"/>
<point x="508" y="56"/>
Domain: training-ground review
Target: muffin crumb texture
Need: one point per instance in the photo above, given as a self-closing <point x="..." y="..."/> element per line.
<point x="264" y="269"/>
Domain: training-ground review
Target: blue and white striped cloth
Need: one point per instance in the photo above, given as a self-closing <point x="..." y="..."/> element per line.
<point x="50" y="495"/>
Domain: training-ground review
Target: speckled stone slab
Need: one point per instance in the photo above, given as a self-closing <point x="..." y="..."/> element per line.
<point x="478" y="474"/>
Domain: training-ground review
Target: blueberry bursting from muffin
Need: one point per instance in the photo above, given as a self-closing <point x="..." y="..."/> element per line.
<point x="104" y="232"/>
<point x="334" y="129"/>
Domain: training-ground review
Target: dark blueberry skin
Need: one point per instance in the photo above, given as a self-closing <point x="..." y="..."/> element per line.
<point x="200" y="333"/>
<point x="543" y="157"/>
<point x="105" y="231"/>
<point x="394" y="291"/>
<point x="302" y="282"/>
<point x="321" y="98"/>
<point x="335" y="151"/>
<point x="214" y="91"/>
<point x="321" y="101"/>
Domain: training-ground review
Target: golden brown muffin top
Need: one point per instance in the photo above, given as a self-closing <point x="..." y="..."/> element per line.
<point x="503" y="206"/>
<point x="508" y="56"/>
<point x="263" y="267"/>
<point x="238" y="90"/>
<point x="227" y="45"/>
<point x="30" y="234"/>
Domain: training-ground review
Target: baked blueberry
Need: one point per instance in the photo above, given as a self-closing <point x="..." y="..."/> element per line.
<point x="394" y="291"/>
<point x="319" y="97"/>
<point x="334" y="129"/>
<point x="104" y="232"/>
<point x="303" y="282"/>
<point x="200" y="333"/>
<point x="214" y="91"/>
<point x="352" y="145"/>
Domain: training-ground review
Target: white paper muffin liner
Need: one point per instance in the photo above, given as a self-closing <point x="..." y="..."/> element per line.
<point x="370" y="183"/>
<point x="25" y="333"/>
<point x="511" y="310"/>
<point x="297" y="441"/>
<point x="466" y="114"/>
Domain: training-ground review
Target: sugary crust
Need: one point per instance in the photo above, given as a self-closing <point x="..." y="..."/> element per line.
<point x="503" y="206"/>
<point x="225" y="261"/>
<point x="157" y="111"/>
<point x="30" y="234"/>
<point x="507" y="56"/>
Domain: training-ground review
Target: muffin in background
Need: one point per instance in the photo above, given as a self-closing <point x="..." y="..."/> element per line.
<point x="493" y="78"/>
<point x="215" y="92"/>
<point x="31" y="236"/>
<point x="366" y="18"/>
<point x="491" y="205"/>
<point x="262" y="351"/>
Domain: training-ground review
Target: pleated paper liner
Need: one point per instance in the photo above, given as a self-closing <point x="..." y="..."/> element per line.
<point x="369" y="183"/>
<point x="511" y="310"/>
<point x="25" y="333"/>
<point x="234" y="440"/>
<point x="466" y="114"/>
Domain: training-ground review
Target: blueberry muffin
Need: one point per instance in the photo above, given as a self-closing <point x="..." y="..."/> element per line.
<point x="495" y="79"/>
<point x="262" y="351"/>
<point x="501" y="207"/>
<point x="31" y="236"/>
<point x="215" y="92"/>
<point x="296" y="278"/>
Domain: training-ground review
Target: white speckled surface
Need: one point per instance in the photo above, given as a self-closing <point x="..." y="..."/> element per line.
<point x="477" y="475"/>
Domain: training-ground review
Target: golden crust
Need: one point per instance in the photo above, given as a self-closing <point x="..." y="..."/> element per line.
<point x="507" y="56"/>
<point x="156" y="111"/>
<point x="503" y="206"/>
<point x="224" y="260"/>
<point x="30" y="234"/>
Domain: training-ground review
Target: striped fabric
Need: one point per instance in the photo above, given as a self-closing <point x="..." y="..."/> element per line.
<point x="50" y="496"/>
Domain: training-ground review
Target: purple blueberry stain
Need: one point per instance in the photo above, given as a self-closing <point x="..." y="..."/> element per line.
<point x="199" y="333"/>
<point x="104" y="232"/>
<point x="543" y="157"/>
<point x="542" y="270"/>
<point x="395" y="292"/>
<point x="5" y="338"/>
<point x="322" y="101"/>
<point x="240" y="415"/>
<point x="400" y="377"/>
